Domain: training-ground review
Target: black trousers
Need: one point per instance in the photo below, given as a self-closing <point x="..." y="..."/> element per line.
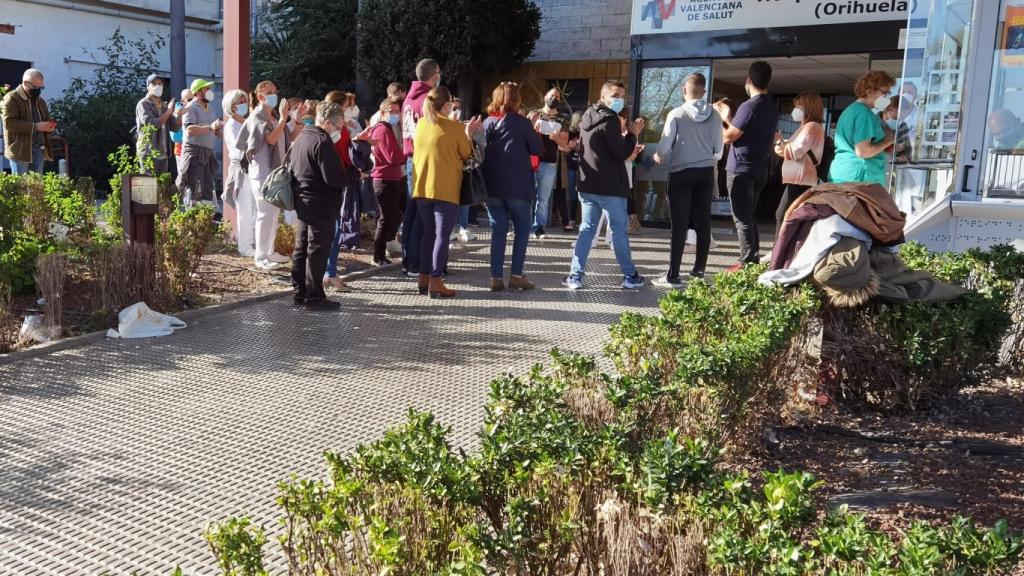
<point x="389" y="195"/>
<point x="689" y="200"/>
<point x="744" y="191"/>
<point x="309" y="260"/>
<point x="790" y="193"/>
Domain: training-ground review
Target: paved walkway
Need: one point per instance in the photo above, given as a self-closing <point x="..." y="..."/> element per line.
<point x="114" y="456"/>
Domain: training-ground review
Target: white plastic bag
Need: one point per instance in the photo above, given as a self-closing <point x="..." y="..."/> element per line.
<point x="139" y="321"/>
<point x="34" y="329"/>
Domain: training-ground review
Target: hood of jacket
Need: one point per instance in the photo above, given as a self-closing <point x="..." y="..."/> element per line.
<point x="697" y="110"/>
<point x="596" y="115"/>
<point x="418" y="90"/>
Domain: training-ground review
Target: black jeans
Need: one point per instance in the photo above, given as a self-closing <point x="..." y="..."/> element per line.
<point x="790" y="193"/>
<point x="389" y="197"/>
<point x="744" y="191"/>
<point x="309" y="260"/>
<point x="437" y="220"/>
<point x="689" y="200"/>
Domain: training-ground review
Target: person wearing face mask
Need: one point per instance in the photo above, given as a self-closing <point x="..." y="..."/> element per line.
<point x="442" y="148"/>
<point x="347" y="225"/>
<point x="388" y="161"/>
<point x="152" y="111"/>
<point x="264" y="139"/>
<point x="236" y="188"/>
<point x="428" y="75"/>
<point x="751" y="134"/>
<point x="178" y="136"/>
<point x="802" y="153"/>
<point x="603" y="183"/>
<point x="551" y="125"/>
<point x="895" y="119"/>
<point x="27" y="125"/>
<point x="861" y="138"/>
<point x="319" y="180"/>
<point x="202" y="127"/>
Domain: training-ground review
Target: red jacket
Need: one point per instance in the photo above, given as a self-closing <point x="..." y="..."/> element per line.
<point x="388" y="157"/>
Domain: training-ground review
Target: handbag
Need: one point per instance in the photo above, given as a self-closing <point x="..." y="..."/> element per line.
<point x="473" y="190"/>
<point x="277" y="188"/>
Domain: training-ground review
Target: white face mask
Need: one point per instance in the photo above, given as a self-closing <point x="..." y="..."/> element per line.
<point x="210" y="95"/>
<point x="335" y="136"/>
<point x="456" y="114"/>
<point x="352" y="113"/>
<point x="271" y="100"/>
<point x="242" y="109"/>
<point x="882" y="102"/>
<point x="157" y="90"/>
<point x="798" y="114"/>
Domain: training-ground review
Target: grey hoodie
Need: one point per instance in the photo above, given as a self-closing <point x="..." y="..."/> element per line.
<point x="692" y="137"/>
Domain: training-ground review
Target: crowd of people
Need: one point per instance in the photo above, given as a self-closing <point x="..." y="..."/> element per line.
<point x="407" y="167"/>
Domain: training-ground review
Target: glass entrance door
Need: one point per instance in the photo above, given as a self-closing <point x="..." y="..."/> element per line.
<point x="1003" y="143"/>
<point x="661" y="90"/>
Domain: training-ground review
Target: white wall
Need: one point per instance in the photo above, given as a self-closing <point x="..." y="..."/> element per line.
<point x="64" y="42"/>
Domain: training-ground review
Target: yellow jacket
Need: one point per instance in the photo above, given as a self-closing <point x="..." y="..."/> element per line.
<point x="441" y="150"/>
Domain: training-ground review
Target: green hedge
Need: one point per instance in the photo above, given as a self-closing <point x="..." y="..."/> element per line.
<point x="580" y="471"/>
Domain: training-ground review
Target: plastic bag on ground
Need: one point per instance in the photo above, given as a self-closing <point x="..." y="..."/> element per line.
<point x="140" y="321"/>
<point x="34" y="329"/>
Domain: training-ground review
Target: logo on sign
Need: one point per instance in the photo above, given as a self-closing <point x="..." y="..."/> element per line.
<point x="657" y="11"/>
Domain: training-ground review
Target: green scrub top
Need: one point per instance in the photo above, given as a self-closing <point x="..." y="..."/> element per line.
<point x="856" y="124"/>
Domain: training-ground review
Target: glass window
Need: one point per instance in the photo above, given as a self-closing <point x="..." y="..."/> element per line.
<point x="930" y="96"/>
<point x="1004" y="130"/>
<point x="574" y="94"/>
<point x="661" y="90"/>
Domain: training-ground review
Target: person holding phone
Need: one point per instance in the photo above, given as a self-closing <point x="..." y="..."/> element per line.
<point x="152" y="111"/>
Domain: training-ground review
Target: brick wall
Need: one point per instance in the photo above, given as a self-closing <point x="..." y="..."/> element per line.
<point x="583" y="30"/>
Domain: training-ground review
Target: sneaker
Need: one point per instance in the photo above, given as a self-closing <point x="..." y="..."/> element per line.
<point x="697" y="275"/>
<point x="410" y="273"/>
<point x="267" y="265"/>
<point x="766" y="259"/>
<point x="539" y="234"/>
<point x="634" y="281"/>
<point x="275" y="257"/>
<point x="382" y="262"/>
<point x="668" y="282"/>
<point x="573" y="282"/>
<point x="466" y="236"/>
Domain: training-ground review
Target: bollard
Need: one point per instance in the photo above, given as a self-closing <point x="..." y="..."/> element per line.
<point x="139" y="204"/>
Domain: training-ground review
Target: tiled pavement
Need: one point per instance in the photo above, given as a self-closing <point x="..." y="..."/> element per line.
<point x="114" y="456"/>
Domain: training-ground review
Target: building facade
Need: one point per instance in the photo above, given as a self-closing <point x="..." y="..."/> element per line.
<point x="63" y="38"/>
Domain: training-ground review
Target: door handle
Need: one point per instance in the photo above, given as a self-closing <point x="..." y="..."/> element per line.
<point x="963" y="181"/>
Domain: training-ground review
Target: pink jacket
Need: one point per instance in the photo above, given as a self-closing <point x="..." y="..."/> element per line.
<point x="797" y="166"/>
<point x="388" y="158"/>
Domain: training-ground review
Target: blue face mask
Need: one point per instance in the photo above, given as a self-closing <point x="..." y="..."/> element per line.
<point x="242" y="109"/>
<point x="617" y="105"/>
<point x="394" y="119"/>
<point x="271" y="100"/>
<point x="307" y="121"/>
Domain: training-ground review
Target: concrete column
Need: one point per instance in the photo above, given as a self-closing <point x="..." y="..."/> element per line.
<point x="237" y="31"/>
<point x="177" y="48"/>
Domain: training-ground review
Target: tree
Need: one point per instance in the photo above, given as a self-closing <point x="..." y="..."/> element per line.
<point x="98" y="115"/>
<point x="469" y="38"/>
<point x="307" y="47"/>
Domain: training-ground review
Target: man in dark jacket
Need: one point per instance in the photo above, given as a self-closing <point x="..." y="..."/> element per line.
<point x="604" y="182"/>
<point x="318" y="183"/>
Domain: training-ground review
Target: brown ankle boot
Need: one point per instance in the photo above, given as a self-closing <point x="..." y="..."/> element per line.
<point x="437" y="289"/>
<point x="521" y="283"/>
<point x="423" y="283"/>
<point x="497" y="284"/>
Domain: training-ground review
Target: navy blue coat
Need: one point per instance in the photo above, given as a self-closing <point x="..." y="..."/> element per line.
<point x="511" y="140"/>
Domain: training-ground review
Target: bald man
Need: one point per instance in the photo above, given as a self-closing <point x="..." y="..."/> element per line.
<point x="1006" y="129"/>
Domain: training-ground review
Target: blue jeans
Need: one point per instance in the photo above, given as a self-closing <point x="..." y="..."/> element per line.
<point x="618" y="220"/>
<point x="545" y="181"/>
<point x="463" y="217"/>
<point x="412" y="229"/>
<point x="499" y="210"/>
<point x="332" y="261"/>
<point x="22" y="168"/>
<point x="438" y="220"/>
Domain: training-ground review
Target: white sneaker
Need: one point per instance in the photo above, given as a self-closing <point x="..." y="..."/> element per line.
<point x="275" y="257"/>
<point x="766" y="259"/>
<point x="267" y="265"/>
<point x="466" y="236"/>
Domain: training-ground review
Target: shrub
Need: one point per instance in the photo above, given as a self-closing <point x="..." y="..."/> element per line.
<point x="182" y="240"/>
<point x="17" y="265"/>
<point x="124" y="274"/>
<point x="284" y="241"/>
<point x="13" y="207"/>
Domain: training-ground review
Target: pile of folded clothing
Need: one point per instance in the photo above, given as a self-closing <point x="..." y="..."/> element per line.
<point x="845" y="238"/>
